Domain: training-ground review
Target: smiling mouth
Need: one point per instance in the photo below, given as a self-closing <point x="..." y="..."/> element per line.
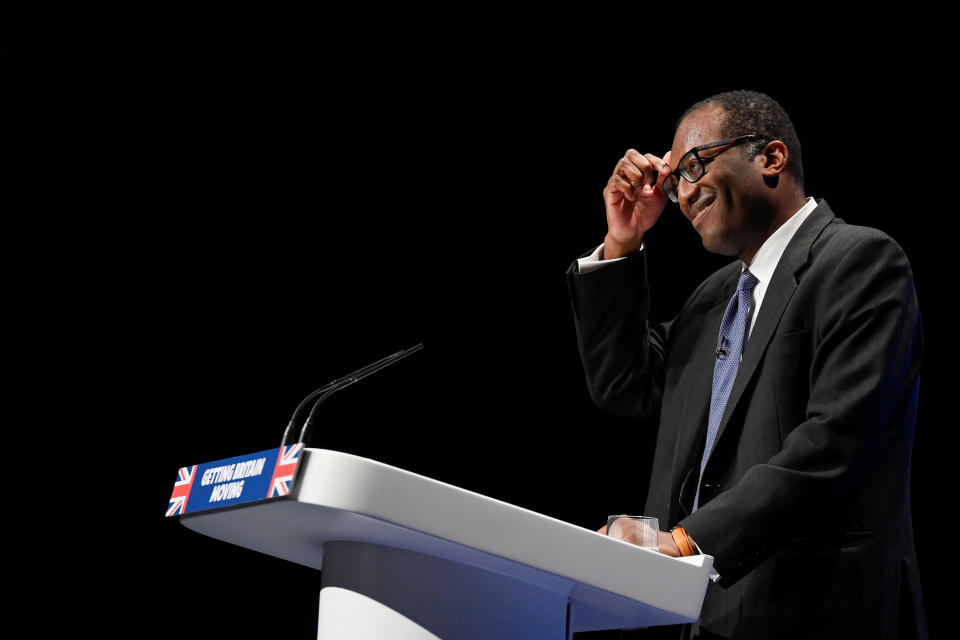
<point x="701" y="207"/>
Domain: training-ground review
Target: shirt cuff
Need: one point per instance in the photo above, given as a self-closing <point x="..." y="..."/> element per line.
<point x="713" y="572"/>
<point x="593" y="261"/>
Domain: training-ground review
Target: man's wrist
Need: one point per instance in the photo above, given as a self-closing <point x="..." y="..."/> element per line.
<point x="666" y="545"/>
<point x="613" y="249"/>
<point x="684" y="542"/>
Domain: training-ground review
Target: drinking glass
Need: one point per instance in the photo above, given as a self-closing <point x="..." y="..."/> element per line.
<point x="639" y="530"/>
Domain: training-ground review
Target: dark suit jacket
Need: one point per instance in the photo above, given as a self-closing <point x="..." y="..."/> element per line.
<point x="805" y="500"/>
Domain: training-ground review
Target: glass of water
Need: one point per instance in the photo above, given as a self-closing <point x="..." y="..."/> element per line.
<point x="639" y="530"/>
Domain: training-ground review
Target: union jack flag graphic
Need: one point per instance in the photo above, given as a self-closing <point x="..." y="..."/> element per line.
<point x="287" y="461"/>
<point x="181" y="491"/>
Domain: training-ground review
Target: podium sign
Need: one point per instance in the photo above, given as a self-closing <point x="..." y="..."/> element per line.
<point x="223" y="483"/>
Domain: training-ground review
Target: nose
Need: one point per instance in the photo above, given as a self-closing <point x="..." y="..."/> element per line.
<point x="686" y="193"/>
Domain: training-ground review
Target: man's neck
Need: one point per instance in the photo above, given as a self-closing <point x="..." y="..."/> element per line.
<point x="782" y="211"/>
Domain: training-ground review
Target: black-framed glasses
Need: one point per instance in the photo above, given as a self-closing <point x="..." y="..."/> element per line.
<point x="692" y="166"/>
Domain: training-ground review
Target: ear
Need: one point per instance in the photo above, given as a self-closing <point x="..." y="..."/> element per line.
<point x="774" y="158"/>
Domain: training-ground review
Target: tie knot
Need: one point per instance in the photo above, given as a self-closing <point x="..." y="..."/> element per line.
<point x="747" y="281"/>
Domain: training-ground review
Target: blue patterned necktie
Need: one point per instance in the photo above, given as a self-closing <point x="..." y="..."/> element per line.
<point x="733" y="335"/>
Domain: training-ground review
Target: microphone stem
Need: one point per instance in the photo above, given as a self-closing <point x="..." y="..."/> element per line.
<point x="329" y="389"/>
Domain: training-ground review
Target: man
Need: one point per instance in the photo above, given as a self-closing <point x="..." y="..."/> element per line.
<point x="785" y="389"/>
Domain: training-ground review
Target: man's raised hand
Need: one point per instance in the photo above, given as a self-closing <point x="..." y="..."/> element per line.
<point x="634" y="201"/>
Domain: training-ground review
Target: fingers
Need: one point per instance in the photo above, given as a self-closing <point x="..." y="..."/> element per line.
<point x="632" y="531"/>
<point x="622" y="186"/>
<point x="665" y="170"/>
<point x="641" y="169"/>
<point x="637" y="174"/>
<point x="634" y="200"/>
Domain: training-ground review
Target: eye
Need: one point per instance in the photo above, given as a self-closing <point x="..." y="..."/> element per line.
<point x="692" y="166"/>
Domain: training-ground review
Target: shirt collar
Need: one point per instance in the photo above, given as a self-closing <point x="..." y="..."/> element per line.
<point x="768" y="255"/>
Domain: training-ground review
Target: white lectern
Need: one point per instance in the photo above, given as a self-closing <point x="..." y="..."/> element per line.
<point x="410" y="558"/>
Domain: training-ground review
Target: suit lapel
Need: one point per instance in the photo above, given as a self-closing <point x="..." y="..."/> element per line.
<point x="781" y="289"/>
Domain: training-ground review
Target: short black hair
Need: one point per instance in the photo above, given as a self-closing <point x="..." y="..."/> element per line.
<point x="747" y="112"/>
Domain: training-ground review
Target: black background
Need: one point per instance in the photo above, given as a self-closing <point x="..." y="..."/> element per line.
<point x="213" y="211"/>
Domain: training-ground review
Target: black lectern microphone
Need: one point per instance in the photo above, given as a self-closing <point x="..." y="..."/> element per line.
<point x="336" y="385"/>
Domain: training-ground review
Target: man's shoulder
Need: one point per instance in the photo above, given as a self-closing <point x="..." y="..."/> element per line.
<point x="839" y="239"/>
<point x="824" y="232"/>
<point x="842" y="230"/>
<point x="845" y="255"/>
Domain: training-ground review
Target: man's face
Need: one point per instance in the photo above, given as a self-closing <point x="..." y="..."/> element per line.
<point x="723" y="204"/>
